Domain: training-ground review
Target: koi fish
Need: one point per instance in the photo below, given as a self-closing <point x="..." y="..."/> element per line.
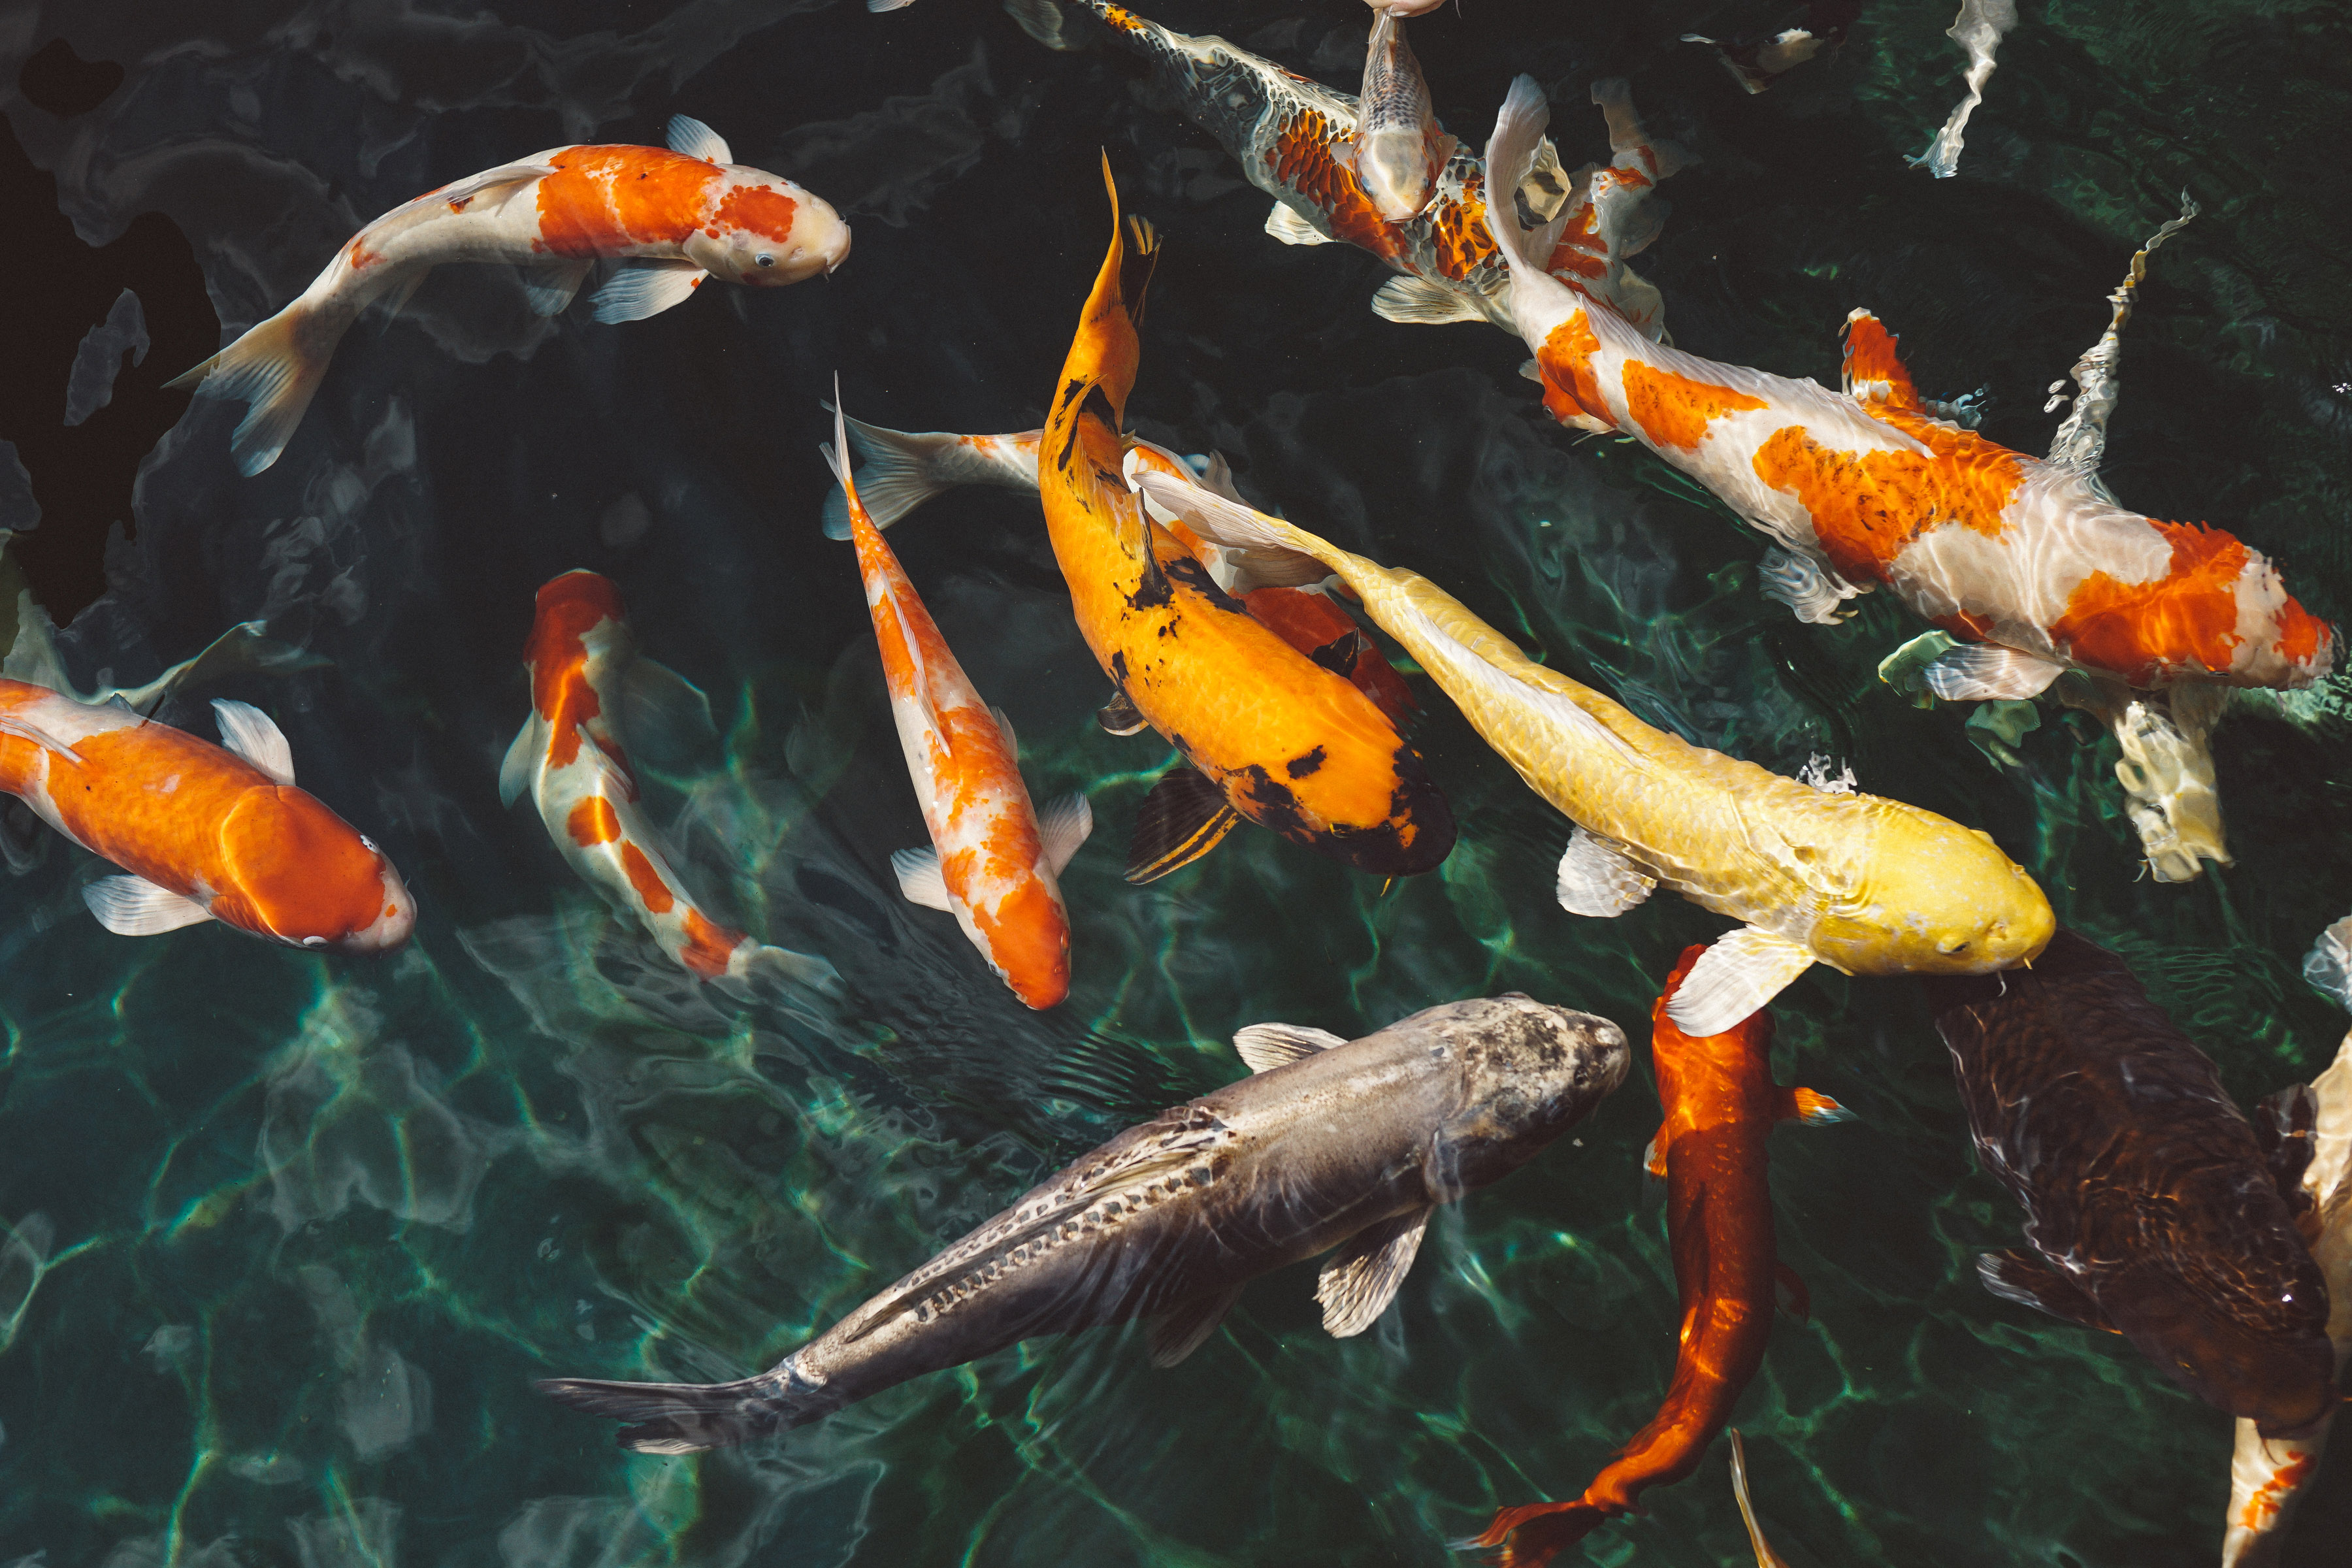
<point x="1330" y="1142"/>
<point x="905" y="468"/>
<point x="1398" y="147"/>
<point x="994" y="861"/>
<point x="2150" y="1207"/>
<point x="1720" y="1106"/>
<point x="671" y="217"/>
<point x="1269" y="734"/>
<point x="2025" y="559"/>
<point x="202" y="832"/>
<point x="1757" y="63"/>
<point x="1296" y="141"/>
<point x="590" y="692"/>
<point x="1819" y="874"/>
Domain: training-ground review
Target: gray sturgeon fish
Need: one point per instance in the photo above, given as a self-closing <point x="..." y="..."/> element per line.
<point x="1331" y="1143"/>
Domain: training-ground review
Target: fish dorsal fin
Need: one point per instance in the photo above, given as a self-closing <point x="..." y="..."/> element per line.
<point x="1120" y="716"/>
<point x="643" y="289"/>
<point x="1285" y="224"/>
<point x="133" y="906"/>
<point x="1598" y="878"/>
<point x="253" y="735"/>
<point x="1422" y="302"/>
<point x="1873" y="371"/>
<point x="1979" y="671"/>
<point x="1184" y="1327"/>
<point x="920" y="881"/>
<point x="1739" y="973"/>
<point x="1063" y="827"/>
<point x="25" y="730"/>
<point x="1183" y="817"/>
<point x="521" y="761"/>
<point x="2027" y="1279"/>
<point x="690" y="136"/>
<point x="1005" y="727"/>
<point x="1265" y="1047"/>
<point x="1361" y="1279"/>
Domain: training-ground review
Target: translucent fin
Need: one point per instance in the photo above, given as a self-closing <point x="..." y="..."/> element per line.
<point x="1053" y="26"/>
<point x="2028" y="1280"/>
<point x="133" y="906"/>
<point x="1765" y="1556"/>
<point x="1265" y="1046"/>
<point x="1971" y="672"/>
<point x="1978" y="29"/>
<point x="683" y="1417"/>
<point x="1184" y="1328"/>
<point x="901" y="471"/>
<point x="664" y="717"/>
<point x="1806" y="587"/>
<point x="550" y="287"/>
<point x="1811" y="1109"/>
<point x="920" y="878"/>
<point x="643" y="289"/>
<point x="274" y="369"/>
<point x="1183" y="817"/>
<point x="255" y="736"/>
<point x="2328" y="964"/>
<point x="1419" y="302"/>
<point x="1597" y="878"/>
<point x="1120" y="716"/>
<point x="1063" y="827"/>
<point x="1285" y="224"/>
<point x="521" y="759"/>
<point x="690" y="136"/>
<point x="1739" y="973"/>
<point x="1361" y="1279"/>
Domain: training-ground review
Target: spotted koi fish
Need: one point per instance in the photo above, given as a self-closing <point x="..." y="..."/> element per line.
<point x="2026" y="560"/>
<point x="1267" y="733"/>
<point x="202" y="832"/>
<point x="588" y="689"/>
<point x="905" y="468"/>
<point x="672" y="217"/>
<point x="1720" y="1108"/>
<point x="993" y="860"/>
<point x="1297" y="140"/>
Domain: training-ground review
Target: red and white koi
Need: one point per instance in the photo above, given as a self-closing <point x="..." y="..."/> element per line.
<point x="202" y="832"/>
<point x="588" y="685"/>
<point x="2026" y="559"/>
<point x="672" y="216"/>
<point x="993" y="860"/>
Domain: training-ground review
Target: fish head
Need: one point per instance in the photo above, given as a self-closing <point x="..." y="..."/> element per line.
<point x="300" y="875"/>
<point x="767" y="232"/>
<point x="1397" y="173"/>
<point x="1523" y="1073"/>
<point x="1959" y="905"/>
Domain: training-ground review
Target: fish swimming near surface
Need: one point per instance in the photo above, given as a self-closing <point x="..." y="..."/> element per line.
<point x="1297" y="141"/>
<point x="2150" y="1207"/>
<point x="202" y="832"/>
<point x="672" y="217"/>
<point x="1755" y="63"/>
<point x="2025" y="559"/>
<point x="1818" y="874"/>
<point x="1267" y="733"/>
<point x="1720" y="1105"/>
<point x="1331" y="1143"/>
<point x="1398" y="148"/>
<point x="993" y="860"/>
<point x="593" y="697"/>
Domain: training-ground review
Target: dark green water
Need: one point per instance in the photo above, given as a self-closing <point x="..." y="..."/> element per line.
<point x="292" y="1237"/>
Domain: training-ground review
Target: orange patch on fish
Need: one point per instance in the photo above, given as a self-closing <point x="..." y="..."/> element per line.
<point x="601" y="200"/>
<point x="593" y="822"/>
<point x="651" y="889"/>
<point x="708" y="945"/>
<point x="1872" y="365"/>
<point x="1027" y="937"/>
<point x="2135" y="628"/>
<point x="1867" y="506"/>
<point x="757" y="209"/>
<point x="1566" y="360"/>
<point x="1306" y="157"/>
<point x="570" y="607"/>
<point x="1674" y="410"/>
<point x="301" y="870"/>
<point x="2263" y="1507"/>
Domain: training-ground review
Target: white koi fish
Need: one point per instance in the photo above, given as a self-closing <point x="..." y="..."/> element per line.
<point x="1398" y="148"/>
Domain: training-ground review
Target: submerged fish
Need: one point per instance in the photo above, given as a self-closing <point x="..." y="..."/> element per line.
<point x="1331" y="1143"/>
<point x="1268" y="733"/>
<point x="2149" y="1206"/>
<point x="1757" y="63"/>
<point x="1720" y="1106"/>
<point x="672" y="216"/>
<point x="2025" y="558"/>
<point x="204" y="831"/>
<point x="1819" y="875"/>
<point x="1398" y="148"/>
<point x="592" y="697"/>
<point x="994" y="862"/>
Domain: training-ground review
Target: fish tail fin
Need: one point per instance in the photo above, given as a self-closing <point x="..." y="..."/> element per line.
<point x="901" y="470"/>
<point x="275" y="368"/>
<point x="1532" y="1534"/>
<point x="686" y="1417"/>
<point x="1510" y="154"/>
<point x="1813" y="1109"/>
<point x="1275" y="552"/>
<point x="1765" y="1556"/>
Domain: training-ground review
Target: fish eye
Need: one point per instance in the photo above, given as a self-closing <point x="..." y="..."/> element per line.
<point x="367" y="844"/>
<point x="764" y="260"/>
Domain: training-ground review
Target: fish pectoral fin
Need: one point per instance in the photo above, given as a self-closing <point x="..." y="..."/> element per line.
<point x="1739" y="973"/>
<point x="1974" y="671"/>
<point x="1361" y="1279"/>
<point x="522" y="754"/>
<point x="643" y="289"/>
<point x="1183" y="817"/>
<point x="255" y="736"/>
<point x="133" y="906"/>
<point x="397" y="300"/>
<point x="1811" y="1109"/>
<point x="25" y="730"/>
<point x="664" y="717"/>
<point x="1285" y="225"/>
<point x="1005" y="727"/>
<point x="1790" y="1293"/>
<point x="1265" y="1046"/>
<point x="2027" y="1279"/>
<point x="1653" y="1158"/>
<point x="1418" y="302"/>
<point x="1063" y="827"/>
<point x="1806" y="587"/>
<point x="551" y="285"/>
<point x="1185" y="1327"/>
<point x="1120" y="716"/>
<point x="920" y="881"/>
<point x="1598" y="878"/>
<point x="690" y="136"/>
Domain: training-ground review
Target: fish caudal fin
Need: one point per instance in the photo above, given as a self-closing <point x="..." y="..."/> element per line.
<point x="1510" y="154"/>
<point x="902" y="469"/>
<point x="1765" y="1556"/>
<point x="1812" y="1110"/>
<point x="1532" y="1534"/>
<point x="275" y="368"/>
<point x="685" y="1417"/>
<point x="1275" y="552"/>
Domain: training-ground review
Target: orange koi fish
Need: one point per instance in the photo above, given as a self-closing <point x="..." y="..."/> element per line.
<point x="905" y="468"/>
<point x="1269" y="734"/>
<point x="588" y="685"/>
<point x="1720" y="1106"/>
<point x="672" y="216"/>
<point x="993" y="860"/>
<point x="2027" y="560"/>
<point x="204" y="831"/>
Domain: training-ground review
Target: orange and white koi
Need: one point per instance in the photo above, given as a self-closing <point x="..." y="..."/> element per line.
<point x="994" y="861"/>
<point x="588" y="684"/>
<point x="2025" y="558"/>
<point x="203" y="832"/>
<point x="673" y="217"/>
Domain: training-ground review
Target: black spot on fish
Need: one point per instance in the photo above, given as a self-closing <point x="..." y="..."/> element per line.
<point x="1299" y="767"/>
<point x="1118" y="670"/>
<point x="1340" y="654"/>
<point x="1097" y="403"/>
<point x="1188" y="569"/>
<point x="1152" y="590"/>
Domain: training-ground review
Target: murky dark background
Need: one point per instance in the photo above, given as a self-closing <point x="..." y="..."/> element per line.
<point x="289" y="1238"/>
